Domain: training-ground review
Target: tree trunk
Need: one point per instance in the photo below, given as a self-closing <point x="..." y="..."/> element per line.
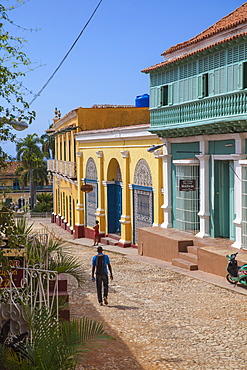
<point x="32" y="189"/>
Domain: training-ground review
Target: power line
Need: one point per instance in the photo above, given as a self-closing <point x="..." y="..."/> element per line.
<point x="65" y="57"/>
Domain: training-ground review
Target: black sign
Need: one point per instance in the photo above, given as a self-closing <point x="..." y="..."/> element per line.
<point x="187" y="185"/>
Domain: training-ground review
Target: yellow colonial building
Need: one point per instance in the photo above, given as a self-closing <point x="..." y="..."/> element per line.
<point x="12" y="191"/>
<point x="104" y="172"/>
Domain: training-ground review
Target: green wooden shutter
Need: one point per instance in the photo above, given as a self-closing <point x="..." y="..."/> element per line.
<point x="229" y="77"/>
<point x="240" y="76"/>
<point x="193" y="88"/>
<point x="199" y="87"/>
<point x="170" y="94"/>
<point x="153" y="97"/>
<point x="211" y="83"/>
<point x="175" y="93"/>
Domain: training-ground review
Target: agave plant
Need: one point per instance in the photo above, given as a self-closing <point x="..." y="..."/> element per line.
<point x="54" y="345"/>
<point x="54" y="254"/>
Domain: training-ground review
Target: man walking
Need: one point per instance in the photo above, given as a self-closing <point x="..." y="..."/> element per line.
<point x="101" y="263"/>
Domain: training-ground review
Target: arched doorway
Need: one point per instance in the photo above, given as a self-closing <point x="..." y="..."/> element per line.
<point x="91" y="198"/>
<point x="142" y="198"/>
<point x="114" y="197"/>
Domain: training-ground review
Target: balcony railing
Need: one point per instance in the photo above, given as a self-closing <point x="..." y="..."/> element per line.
<point x="65" y="168"/>
<point x="208" y="109"/>
<point x="25" y="189"/>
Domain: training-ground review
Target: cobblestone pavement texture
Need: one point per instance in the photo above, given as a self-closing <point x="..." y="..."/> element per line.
<point x="161" y="319"/>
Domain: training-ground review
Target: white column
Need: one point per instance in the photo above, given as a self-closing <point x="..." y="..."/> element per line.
<point x="239" y="150"/>
<point x="167" y="206"/>
<point x="204" y="212"/>
<point x="238" y="199"/>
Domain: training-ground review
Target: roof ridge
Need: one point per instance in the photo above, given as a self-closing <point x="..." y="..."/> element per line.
<point x="239" y="16"/>
<point x="184" y="56"/>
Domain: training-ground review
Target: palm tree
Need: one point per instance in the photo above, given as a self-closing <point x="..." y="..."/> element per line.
<point x="29" y="152"/>
<point x="48" y="144"/>
<point x="55" y="345"/>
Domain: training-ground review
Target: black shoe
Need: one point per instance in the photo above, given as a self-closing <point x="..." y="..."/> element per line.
<point x="105" y="301"/>
<point x="101" y="303"/>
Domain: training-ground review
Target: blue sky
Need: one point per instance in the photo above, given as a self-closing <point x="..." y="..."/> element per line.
<point x="105" y="66"/>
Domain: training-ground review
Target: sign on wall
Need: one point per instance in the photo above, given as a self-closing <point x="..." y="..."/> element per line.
<point x="187" y="185"/>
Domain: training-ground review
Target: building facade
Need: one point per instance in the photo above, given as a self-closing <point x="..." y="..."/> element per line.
<point x="114" y="180"/>
<point x="198" y="107"/>
<point x="13" y="192"/>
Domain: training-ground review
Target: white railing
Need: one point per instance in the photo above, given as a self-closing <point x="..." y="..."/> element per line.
<point x="38" y="288"/>
<point x="66" y="168"/>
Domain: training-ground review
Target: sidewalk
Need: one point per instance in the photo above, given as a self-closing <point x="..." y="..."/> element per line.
<point x="132" y="253"/>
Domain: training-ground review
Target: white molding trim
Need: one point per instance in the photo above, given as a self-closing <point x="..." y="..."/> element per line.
<point x="186" y="162"/>
<point x="116" y="134"/>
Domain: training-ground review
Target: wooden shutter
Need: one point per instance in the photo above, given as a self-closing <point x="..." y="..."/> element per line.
<point x="199" y="87"/>
<point x="170" y="94"/>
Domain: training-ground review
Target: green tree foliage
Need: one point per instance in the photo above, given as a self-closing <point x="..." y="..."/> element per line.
<point x="45" y="203"/>
<point x="48" y="144"/>
<point x="55" y="345"/>
<point x="33" y="166"/>
<point x="13" y="63"/>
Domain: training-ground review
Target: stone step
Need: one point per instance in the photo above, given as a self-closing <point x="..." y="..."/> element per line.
<point x="192" y="249"/>
<point x="178" y="262"/>
<point x="108" y="241"/>
<point x="191" y="257"/>
<point x="114" y="236"/>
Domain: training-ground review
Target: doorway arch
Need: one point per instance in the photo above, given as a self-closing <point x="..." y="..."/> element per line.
<point x="114" y="197"/>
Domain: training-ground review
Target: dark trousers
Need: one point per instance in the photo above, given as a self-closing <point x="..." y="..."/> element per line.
<point x="102" y="279"/>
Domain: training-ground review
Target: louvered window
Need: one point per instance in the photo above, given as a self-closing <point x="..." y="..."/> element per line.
<point x="241" y="52"/>
<point x="229" y="56"/>
<point x="222" y="58"/>
<point x="235" y="54"/>
<point x="217" y="60"/>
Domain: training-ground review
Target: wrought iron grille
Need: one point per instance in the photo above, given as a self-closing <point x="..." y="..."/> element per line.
<point x="187" y="202"/>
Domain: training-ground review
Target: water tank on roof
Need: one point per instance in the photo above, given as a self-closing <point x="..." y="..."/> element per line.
<point x="142" y="101"/>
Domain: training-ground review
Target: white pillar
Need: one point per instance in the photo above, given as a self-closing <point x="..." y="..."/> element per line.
<point x="239" y="150"/>
<point x="204" y="212"/>
<point x="167" y="183"/>
<point x="238" y="200"/>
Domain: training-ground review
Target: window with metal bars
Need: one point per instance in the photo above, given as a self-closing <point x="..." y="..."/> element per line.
<point x="187" y="202"/>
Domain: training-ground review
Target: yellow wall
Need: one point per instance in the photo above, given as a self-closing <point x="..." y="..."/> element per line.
<point x="88" y="119"/>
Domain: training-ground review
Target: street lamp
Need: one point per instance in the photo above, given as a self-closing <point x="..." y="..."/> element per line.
<point x="154" y="147"/>
<point x="17" y="125"/>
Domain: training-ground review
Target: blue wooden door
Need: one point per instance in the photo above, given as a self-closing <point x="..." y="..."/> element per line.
<point x="114" y="204"/>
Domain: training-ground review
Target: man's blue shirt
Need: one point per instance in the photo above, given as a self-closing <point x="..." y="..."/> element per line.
<point x="106" y="261"/>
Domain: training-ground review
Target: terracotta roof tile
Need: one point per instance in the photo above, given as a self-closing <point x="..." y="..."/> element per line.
<point x="11" y="168"/>
<point x="184" y="56"/>
<point x="231" y="20"/>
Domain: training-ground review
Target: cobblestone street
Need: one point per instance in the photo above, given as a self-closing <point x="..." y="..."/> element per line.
<point x="161" y="319"/>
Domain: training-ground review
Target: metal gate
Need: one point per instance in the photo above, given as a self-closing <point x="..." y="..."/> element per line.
<point x="143" y="209"/>
<point x="187" y="200"/>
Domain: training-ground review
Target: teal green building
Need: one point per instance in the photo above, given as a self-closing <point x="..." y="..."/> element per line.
<point x="198" y="106"/>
